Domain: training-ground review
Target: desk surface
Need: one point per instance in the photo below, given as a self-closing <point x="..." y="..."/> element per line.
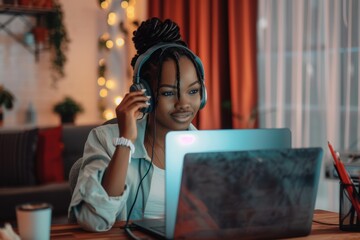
<point x="319" y="231"/>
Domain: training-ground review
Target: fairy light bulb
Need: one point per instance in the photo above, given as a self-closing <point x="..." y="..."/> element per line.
<point x="109" y="44"/>
<point x="111" y="18"/>
<point x="104" y="5"/>
<point x="130" y="12"/>
<point x="120" y="42"/>
<point x="108" y="114"/>
<point x="103" y="92"/>
<point x="124" y="4"/>
<point x="101" y="81"/>
<point x="110" y="84"/>
<point x="118" y="100"/>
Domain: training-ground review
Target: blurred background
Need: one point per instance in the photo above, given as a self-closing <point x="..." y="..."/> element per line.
<point x="268" y="63"/>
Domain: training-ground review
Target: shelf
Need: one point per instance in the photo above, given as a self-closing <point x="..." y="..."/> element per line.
<point x="16" y="11"/>
<point x="13" y="9"/>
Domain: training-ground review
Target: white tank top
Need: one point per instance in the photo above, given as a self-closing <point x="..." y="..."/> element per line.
<point x="155" y="205"/>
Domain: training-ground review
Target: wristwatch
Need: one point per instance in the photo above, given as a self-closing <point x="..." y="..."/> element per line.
<point x="124" y="142"/>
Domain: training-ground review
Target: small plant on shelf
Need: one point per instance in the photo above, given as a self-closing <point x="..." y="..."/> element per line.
<point x="6" y="101"/>
<point x="6" y="98"/>
<point x="67" y="109"/>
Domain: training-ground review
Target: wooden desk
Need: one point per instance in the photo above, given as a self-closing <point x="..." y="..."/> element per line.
<point x="324" y="231"/>
<point x="319" y="231"/>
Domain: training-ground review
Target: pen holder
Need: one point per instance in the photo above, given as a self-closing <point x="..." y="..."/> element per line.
<point x="349" y="219"/>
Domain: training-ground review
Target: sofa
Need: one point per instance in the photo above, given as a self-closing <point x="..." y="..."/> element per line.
<point x="35" y="165"/>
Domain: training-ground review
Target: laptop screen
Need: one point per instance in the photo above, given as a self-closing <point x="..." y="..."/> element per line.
<point x="259" y="194"/>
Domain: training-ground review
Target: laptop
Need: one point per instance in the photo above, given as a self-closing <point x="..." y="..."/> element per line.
<point x="260" y="194"/>
<point x="178" y="143"/>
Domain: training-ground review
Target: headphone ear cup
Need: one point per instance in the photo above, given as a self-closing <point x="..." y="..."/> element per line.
<point x="203" y="96"/>
<point x="144" y="85"/>
<point x="200" y="67"/>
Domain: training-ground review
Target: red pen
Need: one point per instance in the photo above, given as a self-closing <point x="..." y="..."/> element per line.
<point x="346" y="180"/>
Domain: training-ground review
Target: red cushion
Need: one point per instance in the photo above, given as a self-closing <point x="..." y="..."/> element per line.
<point x="50" y="166"/>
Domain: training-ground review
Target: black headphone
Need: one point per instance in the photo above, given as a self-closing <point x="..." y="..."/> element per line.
<point x="139" y="83"/>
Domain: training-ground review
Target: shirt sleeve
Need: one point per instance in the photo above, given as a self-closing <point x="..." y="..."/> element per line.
<point x="93" y="208"/>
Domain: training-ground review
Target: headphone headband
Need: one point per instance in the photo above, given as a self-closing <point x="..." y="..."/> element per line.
<point x="142" y="59"/>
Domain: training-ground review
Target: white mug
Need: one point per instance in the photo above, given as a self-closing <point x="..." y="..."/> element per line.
<point x="34" y="221"/>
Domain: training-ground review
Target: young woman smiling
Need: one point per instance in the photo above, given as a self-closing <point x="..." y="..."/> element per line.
<point x="122" y="173"/>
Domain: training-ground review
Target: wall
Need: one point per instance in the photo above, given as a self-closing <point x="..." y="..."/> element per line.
<point x="31" y="81"/>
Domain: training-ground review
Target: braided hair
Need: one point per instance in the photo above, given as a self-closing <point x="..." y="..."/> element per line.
<point x="150" y="33"/>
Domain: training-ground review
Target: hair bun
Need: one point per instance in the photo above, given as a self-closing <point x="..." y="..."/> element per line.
<point x="154" y="31"/>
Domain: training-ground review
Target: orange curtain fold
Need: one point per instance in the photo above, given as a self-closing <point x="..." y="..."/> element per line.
<point x="242" y="38"/>
<point x="223" y="35"/>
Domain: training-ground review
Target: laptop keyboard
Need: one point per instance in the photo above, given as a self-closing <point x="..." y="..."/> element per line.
<point x="160" y="229"/>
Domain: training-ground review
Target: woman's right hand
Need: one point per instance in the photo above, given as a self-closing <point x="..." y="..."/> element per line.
<point x="128" y="111"/>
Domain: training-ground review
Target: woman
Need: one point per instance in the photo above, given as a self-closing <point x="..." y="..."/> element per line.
<point x="124" y="179"/>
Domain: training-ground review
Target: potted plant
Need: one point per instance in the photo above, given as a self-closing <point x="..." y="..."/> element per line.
<point x="68" y="108"/>
<point x="6" y="100"/>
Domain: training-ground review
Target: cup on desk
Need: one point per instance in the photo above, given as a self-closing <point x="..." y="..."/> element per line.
<point x="34" y="221"/>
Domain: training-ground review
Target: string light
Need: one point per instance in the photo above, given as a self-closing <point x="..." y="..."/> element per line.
<point x="109" y="44"/>
<point x="124" y="4"/>
<point x="118" y="100"/>
<point x="107" y="41"/>
<point x="104" y="5"/>
<point x="111" y="18"/>
<point x="120" y="42"/>
<point x="103" y="92"/>
<point x="110" y="84"/>
<point x="101" y="81"/>
<point x="108" y="114"/>
<point x="130" y="12"/>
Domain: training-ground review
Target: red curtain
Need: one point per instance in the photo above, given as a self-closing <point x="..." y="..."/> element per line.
<point x="223" y="34"/>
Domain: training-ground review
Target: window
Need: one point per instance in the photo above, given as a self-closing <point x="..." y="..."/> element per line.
<point x="308" y="72"/>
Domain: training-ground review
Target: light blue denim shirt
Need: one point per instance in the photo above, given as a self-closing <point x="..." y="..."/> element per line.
<point x="93" y="208"/>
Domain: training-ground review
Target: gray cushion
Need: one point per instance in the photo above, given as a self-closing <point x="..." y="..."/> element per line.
<point x="74" y="138"/>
